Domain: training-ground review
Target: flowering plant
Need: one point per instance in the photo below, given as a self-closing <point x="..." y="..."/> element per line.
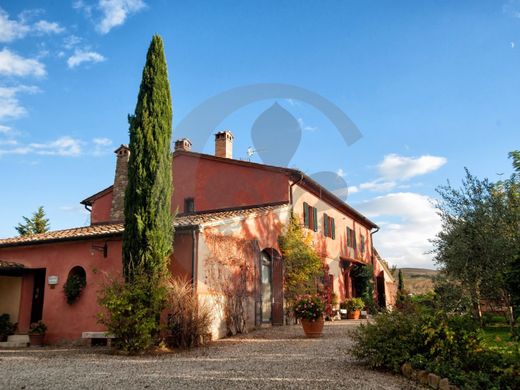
<point x="38" y="328"/>
<point x="309" y="307"/>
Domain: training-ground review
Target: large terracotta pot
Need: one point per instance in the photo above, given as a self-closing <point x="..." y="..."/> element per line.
<point x="36" y="339"/>
<point x="313" y="329"/>
<point x="354" y="315"/>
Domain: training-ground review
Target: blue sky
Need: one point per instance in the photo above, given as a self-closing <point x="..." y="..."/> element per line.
<point x="433" y="86"/>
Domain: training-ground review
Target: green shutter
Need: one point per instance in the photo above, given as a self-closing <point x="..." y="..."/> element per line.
<point x="348" y="237"/>
<point x="354" y="239"/>
<point x="315" y="218"/>
<point x="333" y="228"/>
<point x="325" y="225"/>
<point x="305" y="214"/>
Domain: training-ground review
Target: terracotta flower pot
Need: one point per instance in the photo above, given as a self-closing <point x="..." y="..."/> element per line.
<point x="354" y="315"/>
<point x="36" y="339"/>
<point x="313" y="329"/>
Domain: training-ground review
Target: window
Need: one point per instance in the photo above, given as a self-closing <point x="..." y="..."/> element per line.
<point x="189" y="205"/>
<point x="310" y="217"/>
<point x="362" y="245"/>
<point x="329" y="227"/>
<point x="351" y="238"/>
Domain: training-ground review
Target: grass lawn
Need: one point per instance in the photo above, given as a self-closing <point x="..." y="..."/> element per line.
<point x="498" y="338"/>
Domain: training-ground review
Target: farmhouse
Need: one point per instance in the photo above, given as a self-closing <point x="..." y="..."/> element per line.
<point x="229" y="214"/>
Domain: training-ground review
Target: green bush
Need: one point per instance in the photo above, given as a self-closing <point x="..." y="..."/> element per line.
<point x="6" y="326"/>
<point x="131" y="312"/>
<point x="448" y="345"/>
<point x="73" y="287"/>
<point x="188" y="320"/>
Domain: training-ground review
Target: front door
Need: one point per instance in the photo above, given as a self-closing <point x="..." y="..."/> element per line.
<point x="37" y="299"/>
<point x="267" y="290"/>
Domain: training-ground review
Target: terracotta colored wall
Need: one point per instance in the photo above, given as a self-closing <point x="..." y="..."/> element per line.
<point x="101" y="209"/>
<point x="65" y="321"/>
<point x="10" y="291"/>
<point x="332" y="249"/>
<point x="220" y="184"/>
<point x="181" y="260"/>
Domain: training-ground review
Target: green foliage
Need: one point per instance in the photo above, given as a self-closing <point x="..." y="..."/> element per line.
<point x="363" y="279"/>
<point x="450" y="296"/>
<point x="6" y="326"/>
<point x="309" y="307"/>
<point x="188" y="320"/>
<point x="34" y="225"/>
<point x="38" y="328"/>
<point x="400" y="283"/>
<point x="73" y="287"/>
<point x="302" y="265"/>
<point x="132" y="312"/>
<point x="353" y="304"/>
<point x="480" y="238"/>
<point x="148" y="234"/>
<point x="447" y="345"/>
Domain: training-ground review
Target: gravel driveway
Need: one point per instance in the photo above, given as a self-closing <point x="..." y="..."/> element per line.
<point x="279" y="357"/>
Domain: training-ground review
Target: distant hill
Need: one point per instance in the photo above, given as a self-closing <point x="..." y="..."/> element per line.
<point x="418" y="280"/>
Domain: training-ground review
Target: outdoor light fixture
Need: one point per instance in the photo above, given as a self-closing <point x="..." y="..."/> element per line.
<point x="103" y="249"/>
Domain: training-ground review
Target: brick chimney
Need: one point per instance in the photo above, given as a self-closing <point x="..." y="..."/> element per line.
<point x="183" y="144"/>
<point x="117" y="212"/>
<point x="224" y="144"/>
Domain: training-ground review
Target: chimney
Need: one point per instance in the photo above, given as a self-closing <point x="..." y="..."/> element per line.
<point x="224" y="144"/>
<point x="117" y="212"/>
<point x="183" y="144"/>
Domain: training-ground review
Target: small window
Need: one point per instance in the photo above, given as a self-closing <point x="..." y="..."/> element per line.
<point x="189" y="205"/>
<point x="329" y="227"/>
<point x="351" y="238"/>
<point x="310" y="217"/>
<point x="362" y="245"/>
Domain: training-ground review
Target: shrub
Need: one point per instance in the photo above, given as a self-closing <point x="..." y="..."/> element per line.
<point x="37" y="328"/>
<point x="73" y="287"/>
<point x="131" y="312"/>
<point x="188" y="320"/>
<point x="6" y="326"/>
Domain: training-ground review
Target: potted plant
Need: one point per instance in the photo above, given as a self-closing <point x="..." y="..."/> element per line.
<point x="37" y="333"/>
<point x="73" y="287"/>
<point x="309" y="309"/>
<point x="6" y="327"/>
<point x="354" y="306"/>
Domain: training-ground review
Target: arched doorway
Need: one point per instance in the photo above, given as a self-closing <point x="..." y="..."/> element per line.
<point x="270" y="287"/>
<point x="266" y="287"/>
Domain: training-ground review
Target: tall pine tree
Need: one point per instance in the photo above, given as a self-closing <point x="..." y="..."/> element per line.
<point x="148" y="234"/>
<point x="34" y="225"/>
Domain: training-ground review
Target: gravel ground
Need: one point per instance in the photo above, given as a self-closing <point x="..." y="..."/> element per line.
<point x="277" y="358"/>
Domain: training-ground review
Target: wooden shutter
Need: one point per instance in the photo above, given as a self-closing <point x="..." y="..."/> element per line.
<point x="305" y="214"/>
<point x="333" y="228"/>
<point x="349" y="241"/>
<point x="354" y="241"/>
<point x="326" y="225"/>
<point x="315" y="210"/>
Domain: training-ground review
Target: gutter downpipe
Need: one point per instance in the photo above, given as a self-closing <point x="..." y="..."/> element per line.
<point x="291" y="189"/>
<point x="373" y="262"/>
<point x="194" y="256"/>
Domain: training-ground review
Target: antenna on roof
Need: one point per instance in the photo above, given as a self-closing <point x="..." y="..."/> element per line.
<point x="251" y="151"/>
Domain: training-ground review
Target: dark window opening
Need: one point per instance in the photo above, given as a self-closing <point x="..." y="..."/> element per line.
<point x="189" y="205"/>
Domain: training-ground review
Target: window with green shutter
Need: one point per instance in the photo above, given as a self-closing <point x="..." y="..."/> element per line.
<point x="325" y="225"/>
<point x="315" y="210"/>
<point x="333" y="229"/>
<point x="305" y="214"/>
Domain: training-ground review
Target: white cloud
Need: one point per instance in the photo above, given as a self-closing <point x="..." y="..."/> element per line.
<point x="11" y="64"/>
<point x="115" y="12"/>
<point x="46" y="27"/>
<point x="395" y="167"/>
<point x="305" y="126"/>
<point x="378" y="185"/>
<point x="71" y="41"/>
<point x="64" y="146"/>
<point x="81" y="56"/>
<point x="101" y="146"/>
<point x="10" y="106"/>
<point x="11" y="30"/>
<point x="404" y="242"/>
<point x="340" y="172"/>
<point x="512" y="8"/>
<point x="5" y="129"/>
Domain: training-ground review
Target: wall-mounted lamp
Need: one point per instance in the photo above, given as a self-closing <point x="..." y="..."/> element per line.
<point x="100" y="248"/>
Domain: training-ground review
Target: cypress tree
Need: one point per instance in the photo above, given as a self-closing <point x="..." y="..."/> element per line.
<point x="400" y="283"/>
<point x="148" y="234"/>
